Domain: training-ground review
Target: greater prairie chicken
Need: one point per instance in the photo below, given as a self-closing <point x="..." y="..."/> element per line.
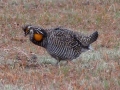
<point x="61" y="44"/>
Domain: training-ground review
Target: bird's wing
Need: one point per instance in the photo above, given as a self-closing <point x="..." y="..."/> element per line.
<point x="61" y="43"/>
<point x="61" y="37"/>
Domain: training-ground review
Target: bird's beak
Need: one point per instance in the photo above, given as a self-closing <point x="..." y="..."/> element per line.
<point x="26" y="34"/>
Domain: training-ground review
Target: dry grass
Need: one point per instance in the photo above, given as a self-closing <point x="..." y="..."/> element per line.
<point x="98" y="69"/>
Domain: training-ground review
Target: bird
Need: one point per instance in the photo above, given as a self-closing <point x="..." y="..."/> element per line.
<point x="61" y="43"/>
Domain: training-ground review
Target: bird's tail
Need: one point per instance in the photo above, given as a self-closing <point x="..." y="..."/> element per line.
<point x="93" y="37"/>
<point x="90" y="39"/>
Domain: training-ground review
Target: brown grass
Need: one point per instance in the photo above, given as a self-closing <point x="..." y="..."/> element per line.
<point x="94" y="70"/>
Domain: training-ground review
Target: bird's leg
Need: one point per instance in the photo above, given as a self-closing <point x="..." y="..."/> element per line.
<point x="57" y="62"/>
<point x="66" y="62"/>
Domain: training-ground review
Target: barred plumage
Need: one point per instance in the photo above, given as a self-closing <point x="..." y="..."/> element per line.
<point x="62" y="44"/>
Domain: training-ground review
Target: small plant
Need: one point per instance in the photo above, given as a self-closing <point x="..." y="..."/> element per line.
<point x="106" y="85"/>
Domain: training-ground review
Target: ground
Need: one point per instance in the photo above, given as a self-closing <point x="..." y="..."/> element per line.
<point x="25" y="66"/>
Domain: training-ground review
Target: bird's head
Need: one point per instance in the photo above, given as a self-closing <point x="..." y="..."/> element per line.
<point x="26" y="29"/>
<point x="36" y="33"/>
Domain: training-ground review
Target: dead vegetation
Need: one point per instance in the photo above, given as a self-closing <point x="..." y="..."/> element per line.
<point x="24" y="66"/>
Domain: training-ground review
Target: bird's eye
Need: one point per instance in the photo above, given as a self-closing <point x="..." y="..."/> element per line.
<point x="27" y="30"/>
